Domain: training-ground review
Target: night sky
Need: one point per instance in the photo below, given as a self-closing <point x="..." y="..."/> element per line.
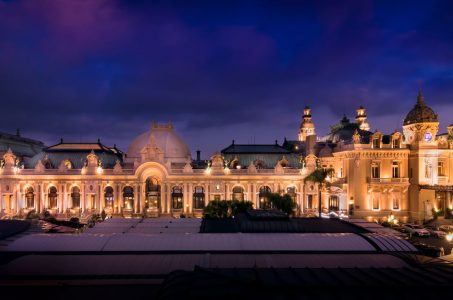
<point x="219" y="71"/>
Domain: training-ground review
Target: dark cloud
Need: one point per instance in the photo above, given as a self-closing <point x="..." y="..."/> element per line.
<point x="218" y="70"/>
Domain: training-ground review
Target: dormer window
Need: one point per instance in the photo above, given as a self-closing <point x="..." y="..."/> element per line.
<point x="376" y="143"/>
<point x="396" y="143"/>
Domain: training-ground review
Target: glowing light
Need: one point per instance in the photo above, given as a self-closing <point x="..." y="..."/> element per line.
<point x="449" y="237"/>
<point x="99" y="170"/>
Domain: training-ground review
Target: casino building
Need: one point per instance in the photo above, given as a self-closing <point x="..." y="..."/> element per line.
<point x="407" y="174"/>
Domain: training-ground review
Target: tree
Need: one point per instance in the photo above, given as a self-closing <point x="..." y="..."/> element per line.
<point x="283" y="203"/>
<point x="217" y="209"/>
<point x="319" y="176"/>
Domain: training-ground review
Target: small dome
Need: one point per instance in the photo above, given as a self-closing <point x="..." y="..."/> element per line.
<point x="174" y="147"/>
<point x="421" y="112"/>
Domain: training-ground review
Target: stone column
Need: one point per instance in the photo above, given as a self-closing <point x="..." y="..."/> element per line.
<point x="65" y="197"/>
<point x="135" y="198"/>
<point x="190" y="197"/>
<point x="168" y="197"/>
<point x="100" y="197"/>
<point x="116" y="200"/>
<point x="142" y="197"/>
<point x="82" y="196"/>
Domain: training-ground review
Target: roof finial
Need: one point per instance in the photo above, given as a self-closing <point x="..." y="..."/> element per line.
<point x="420" y="98"/>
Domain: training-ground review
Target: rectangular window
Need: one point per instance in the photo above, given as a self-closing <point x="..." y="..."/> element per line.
<point x="375" y="173"/>
<point x="340" y="174"/>
<point x="376" y="202"/>
<point x="440" y="168"/>
<point x="376" y="143"/>
<point x="309" y="201"/>
<point x="396" y="202"/>
<point x="395" y="143"/>
<point x="395" y="170"/>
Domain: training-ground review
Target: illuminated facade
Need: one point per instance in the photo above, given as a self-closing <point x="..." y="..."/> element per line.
<point x="408" y="174"/>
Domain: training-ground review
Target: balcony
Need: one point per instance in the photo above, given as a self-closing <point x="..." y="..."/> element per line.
<point x="388" y="180"/>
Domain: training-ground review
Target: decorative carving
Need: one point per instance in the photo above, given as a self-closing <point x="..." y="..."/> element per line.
<point x="278" y="169"/>
<point x="187" y="168"/>
<point x="40" y="168"/>
<point x="252" y="168"/>
<point x="117" y="169"/>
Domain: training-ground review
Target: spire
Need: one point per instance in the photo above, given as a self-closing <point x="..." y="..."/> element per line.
<point x="307" y="127"/>
<point x="420" y="98"/>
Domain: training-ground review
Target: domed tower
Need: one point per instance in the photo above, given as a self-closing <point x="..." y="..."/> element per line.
<point x="307" y="128"/>
<point x="421" y="124"/>
<point x="360" y="119"/>
<point x="420" y="128"/>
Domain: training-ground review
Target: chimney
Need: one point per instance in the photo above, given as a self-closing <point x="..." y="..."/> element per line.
<point x="198" y="155"/>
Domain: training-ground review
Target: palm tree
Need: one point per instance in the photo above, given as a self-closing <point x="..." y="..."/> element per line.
<point x="319" y="176"/>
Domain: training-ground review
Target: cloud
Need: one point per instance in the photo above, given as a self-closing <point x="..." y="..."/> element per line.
<point x="218" y="70"/>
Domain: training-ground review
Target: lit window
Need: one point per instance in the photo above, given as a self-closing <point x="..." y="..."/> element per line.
<point x="376" y="202"/>
<point x="440" y="168"/>
<point x="395" y="170"/>
<point x="376" y="143"/>
<point x="395" y="143"/>
<point x="375" y="172"/>
<point x="396" y="202"/>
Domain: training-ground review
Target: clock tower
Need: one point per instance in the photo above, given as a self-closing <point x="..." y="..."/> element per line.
<point x="420" y="129"/>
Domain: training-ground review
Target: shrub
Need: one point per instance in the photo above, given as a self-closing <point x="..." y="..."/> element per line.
<point x="225" y="208"/>
<point x="283" y="203"/>
<point x="32" y="215"/>
<point x="238" y="207"/>
<point x="449" y="213"/>
<point x="216" y="209"/>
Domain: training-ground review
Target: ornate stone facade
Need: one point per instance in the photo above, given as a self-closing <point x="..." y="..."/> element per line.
<point x="405" y="174"/>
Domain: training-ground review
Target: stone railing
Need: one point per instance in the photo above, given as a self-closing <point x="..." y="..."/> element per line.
<point x="388" y="180"/>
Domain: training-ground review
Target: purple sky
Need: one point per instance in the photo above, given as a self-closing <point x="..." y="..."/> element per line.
<point x="239" y="70"/>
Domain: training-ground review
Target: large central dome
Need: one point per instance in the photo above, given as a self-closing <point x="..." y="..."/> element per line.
<point x="164" y="137"/>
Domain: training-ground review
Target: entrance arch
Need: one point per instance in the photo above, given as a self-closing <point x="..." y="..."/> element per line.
<point x="152" y="193"/>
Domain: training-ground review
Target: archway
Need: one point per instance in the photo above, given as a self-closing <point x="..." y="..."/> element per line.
<point x="128" y="196"/>
<point x="152" y="193"/>
<point x="263" y="197"/>
<point x="238" y="193"/>
<point x="198" y="197"/>
<point x="108" y="196"/>
<point x="75" y="197"/>
<point x="53" y="197"/>
<point x="30" y="197"/>
<point x="176" y="197"/>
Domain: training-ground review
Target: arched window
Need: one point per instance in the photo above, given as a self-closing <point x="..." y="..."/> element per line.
<point x="108" y="195"/>
<point x="30" y="197"/>
<point x="334" y="203"/>
<point x="176" y="197"/>
<point x="198" y="197"/>
<point x="152" y="193"/>
<point x="128" y="196"/>
<point x="264" y="197"/>
<point x="291" y="191"/>
<point x="75" y="197"/>
<point x="238" y="193"/>
<point x="53" y="196"/>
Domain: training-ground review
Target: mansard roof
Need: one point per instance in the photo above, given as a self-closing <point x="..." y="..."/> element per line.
<point x="21" y="146"/>
<point x="76" y="153"/>
<point x="255" y="149"/>
<point x="344" y="131"/>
